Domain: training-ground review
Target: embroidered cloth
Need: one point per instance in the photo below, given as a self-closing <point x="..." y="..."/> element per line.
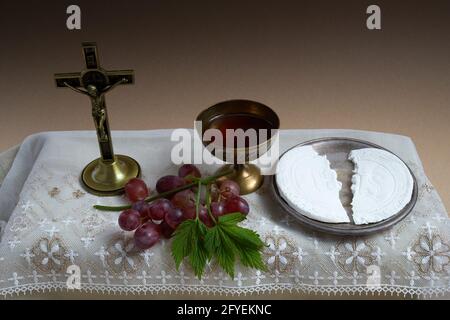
<point x="48" y="224"/>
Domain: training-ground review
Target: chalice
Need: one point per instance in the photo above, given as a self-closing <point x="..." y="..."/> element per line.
<point x="247" y="129"/>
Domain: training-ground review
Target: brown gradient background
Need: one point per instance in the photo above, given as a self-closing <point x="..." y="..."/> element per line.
<point x="314" y="62"/>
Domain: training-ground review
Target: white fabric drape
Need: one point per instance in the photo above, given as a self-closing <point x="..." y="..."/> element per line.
<point x="49" y="224"/>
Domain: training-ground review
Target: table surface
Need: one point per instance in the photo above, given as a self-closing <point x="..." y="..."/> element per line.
<point x="316" y="65"/>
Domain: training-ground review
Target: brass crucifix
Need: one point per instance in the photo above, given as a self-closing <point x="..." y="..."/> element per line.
<point x="108" y="174"/>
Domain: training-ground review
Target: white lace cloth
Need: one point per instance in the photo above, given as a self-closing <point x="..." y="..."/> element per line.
<point x="49" y="224"/>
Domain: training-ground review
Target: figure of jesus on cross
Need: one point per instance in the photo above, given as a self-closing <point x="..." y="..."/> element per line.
<point x="98" y="106"/>
<point x="107" y="175"/>
<point x="95" y="82"/>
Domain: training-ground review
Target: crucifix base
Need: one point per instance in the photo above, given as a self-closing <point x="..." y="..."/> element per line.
<point x="108" y="178"/>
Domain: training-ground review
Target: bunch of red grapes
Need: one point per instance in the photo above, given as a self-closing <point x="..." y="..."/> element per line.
<point x="161" y="217"/>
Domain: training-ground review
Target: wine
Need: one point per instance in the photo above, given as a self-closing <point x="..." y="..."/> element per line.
<point x="244" y="122"/>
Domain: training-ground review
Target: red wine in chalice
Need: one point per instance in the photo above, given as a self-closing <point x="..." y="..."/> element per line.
<point x="244" y="122"/>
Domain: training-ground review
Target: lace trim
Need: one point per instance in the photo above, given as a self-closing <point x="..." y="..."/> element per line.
<point x="413" y="292"/>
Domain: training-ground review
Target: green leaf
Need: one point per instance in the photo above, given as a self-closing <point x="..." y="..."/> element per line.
<point x="245" y="237"/>
<point x="188" y="242"/>
<point x="199" y="255"/>
<point x="220" y="246"/>
<point x="252" y="259"/>
<point x="232" y="218"/>
<point x="226" y="241"/>
<point x="182" y="244"/>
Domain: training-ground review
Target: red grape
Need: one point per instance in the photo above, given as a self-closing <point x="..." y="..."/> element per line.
<point x="189" y="170"/>
<point x="218" y="208"/>
<point x="129" y="220"/>
<point x="147" y="235"/>
<point x="183" y="199"/>
<point x="142" y="207"/>
<point x="205" y="217"/>
<point x="229" y="188"/>
<point x="166" y="230"/>
<point x="237" y="204"/>
<point x="189" y="212"/>
<point x="168" y="183"/>
<point x="136" y="190"/>
<point x="158" y="209"/>
<point x="174" y="217"/>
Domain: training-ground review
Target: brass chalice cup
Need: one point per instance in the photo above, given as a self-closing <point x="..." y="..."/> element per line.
<point x="238" y="151"/>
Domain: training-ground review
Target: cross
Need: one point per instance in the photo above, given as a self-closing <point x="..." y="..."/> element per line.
<point x="408" y="254"/>
<point x="392" y="277"/>
<point x="144" y="277"/>
<point x="94" y="82"/>
<point x="182" y="276"/>
<point x="67" y="221"/>
<point x="35" y="276"/>
<point x="15" y="278"/>
<point x="355" y="277"/>
<point x="71" y="255"/>
<point x="432" y="277"/>
<point x="258" y="276"/>
<point x="163" y="277"/>
<point x="297" y="276"/>
<point x="102" y="253"/>
<point x="108" y="174"/>
<point x="27" y="256"/>
<point x="51" y="232"/>
<point x="332" y="254"/>
<point x="392" y="239"/>
<point x="429" y="229"/>
<point x="412" y="277"/>
<point x="316" y="278"/>
<point x="26" y="206"/>
<point x="53" y="275"/>
<point x="277" y="276"/>
<point x="125" y="277"/>
<point x="336" y="277"/>
<point x="13" y="243"/>
<point x="300" y="254"/>
<point x="239" y="279"/>
<point x="378" y="254"/>
<point x="89" y="276"/>
<point x="222" y="278"/>
<point x="147" y="255"/>
<point x="107" y="277"/>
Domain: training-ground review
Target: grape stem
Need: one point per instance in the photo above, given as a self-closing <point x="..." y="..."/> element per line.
<point x="204" y="181"/>
<point x="197" y="200"/>
<point x="208" y="205"/>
